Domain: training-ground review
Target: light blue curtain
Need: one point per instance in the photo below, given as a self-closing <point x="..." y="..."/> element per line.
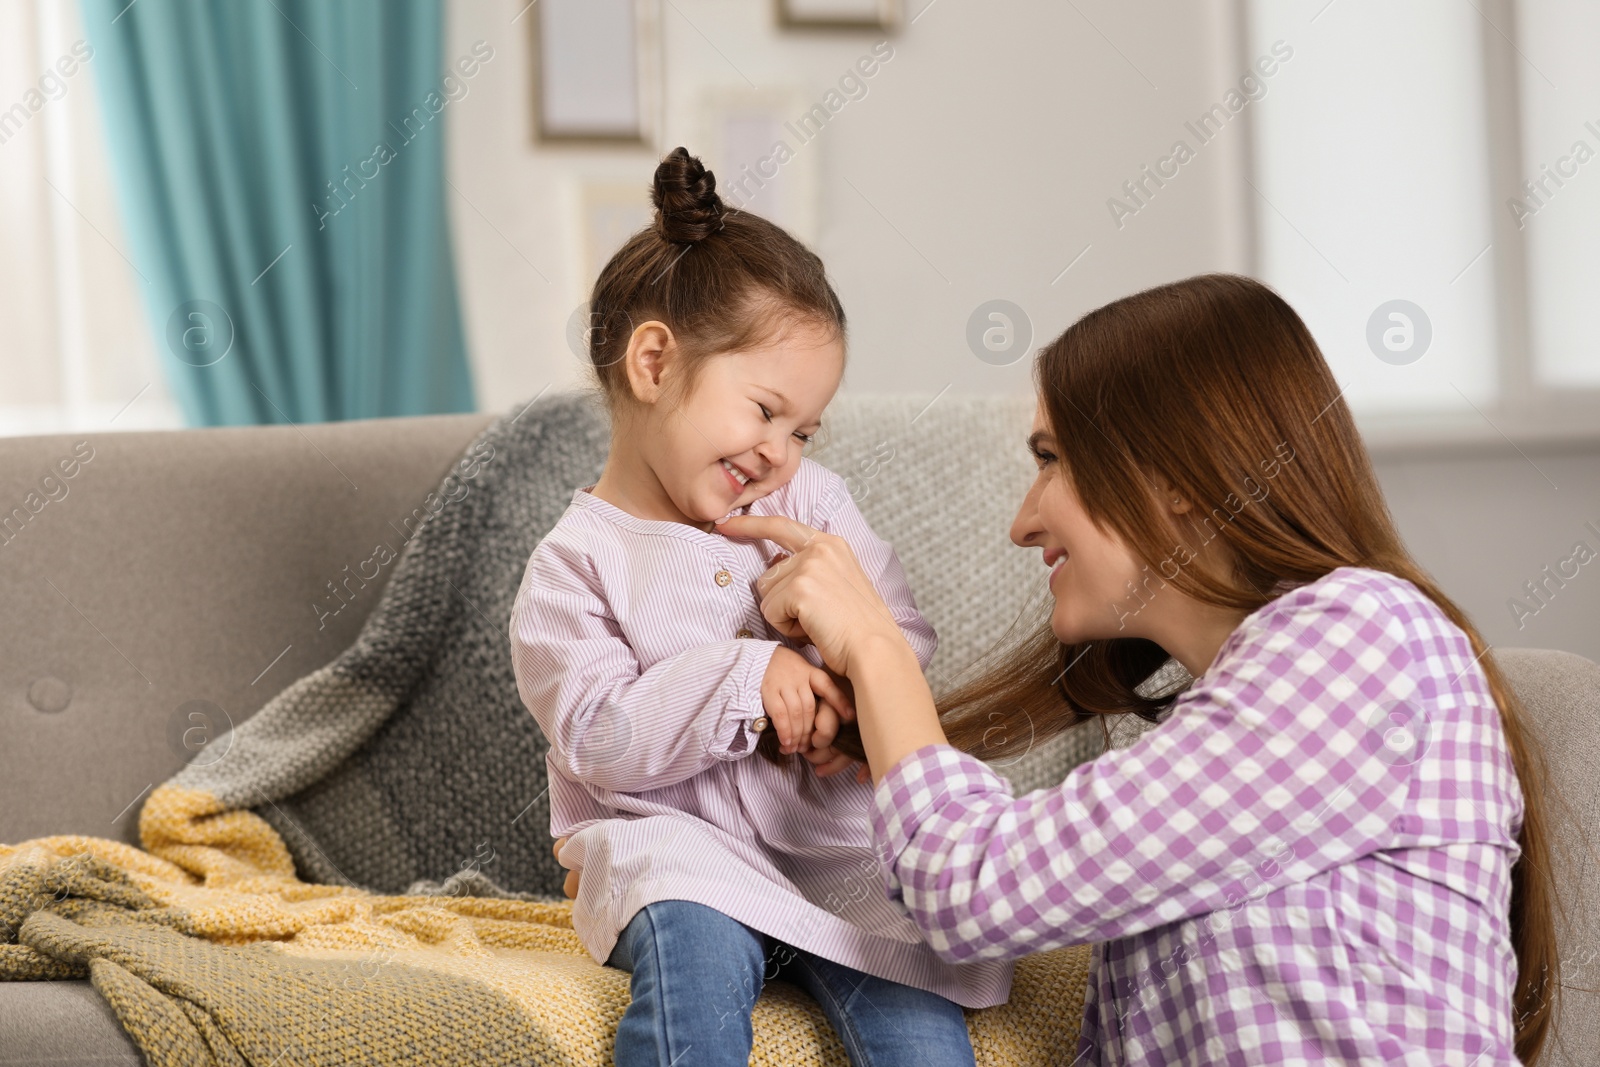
<point x="280" y="165"/>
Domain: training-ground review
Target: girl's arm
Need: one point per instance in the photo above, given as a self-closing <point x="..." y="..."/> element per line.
<point x="609" y="723"/>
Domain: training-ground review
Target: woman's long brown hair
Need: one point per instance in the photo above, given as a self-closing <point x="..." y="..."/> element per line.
<point x="1210" y="383"/>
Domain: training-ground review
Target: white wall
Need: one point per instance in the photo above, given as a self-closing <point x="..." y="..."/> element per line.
<point x="977" y="166"/>
<point x="1488" y="522"/>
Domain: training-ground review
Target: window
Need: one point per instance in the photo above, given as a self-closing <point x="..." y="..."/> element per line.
<point x="77" y="351"/>
<point x="1557" y="203"/>
<point x="1389" y="160"/>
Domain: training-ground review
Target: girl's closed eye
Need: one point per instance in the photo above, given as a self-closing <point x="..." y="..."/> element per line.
<point x="805" y="438"/>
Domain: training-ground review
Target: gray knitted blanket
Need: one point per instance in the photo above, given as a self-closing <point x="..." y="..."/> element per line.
<point x="409" y="764"/>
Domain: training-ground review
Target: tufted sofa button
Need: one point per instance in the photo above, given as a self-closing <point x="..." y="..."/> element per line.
<point x="49" y="694"/>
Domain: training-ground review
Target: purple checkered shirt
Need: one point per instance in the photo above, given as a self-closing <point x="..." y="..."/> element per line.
<point x="1307" y="861"/>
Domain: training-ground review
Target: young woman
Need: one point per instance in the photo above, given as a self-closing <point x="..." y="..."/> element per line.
<point x="1332" y="847"/>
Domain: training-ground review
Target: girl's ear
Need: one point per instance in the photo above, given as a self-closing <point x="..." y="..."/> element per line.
<point x="651" y="348"/>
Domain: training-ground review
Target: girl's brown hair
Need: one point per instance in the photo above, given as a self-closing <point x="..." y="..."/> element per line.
<point x="721" y="280"/>
<point x="1210" y="383"/>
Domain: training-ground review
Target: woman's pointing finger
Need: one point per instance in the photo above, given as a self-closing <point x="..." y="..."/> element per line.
<point x="781" y="530"/>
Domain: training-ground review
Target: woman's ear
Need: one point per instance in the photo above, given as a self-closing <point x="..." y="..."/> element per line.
<point x="651" y="348"/>
<point x="1170" y="498"/>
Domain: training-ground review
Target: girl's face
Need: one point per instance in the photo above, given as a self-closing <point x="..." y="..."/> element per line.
<point x="1092" y="572"/>
<point x="739" y="435"/>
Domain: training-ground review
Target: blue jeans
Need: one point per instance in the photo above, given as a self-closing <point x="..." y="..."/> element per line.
<point x="697" y="974"/>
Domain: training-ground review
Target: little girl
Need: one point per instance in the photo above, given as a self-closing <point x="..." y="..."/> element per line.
<point x="641" y="650"/>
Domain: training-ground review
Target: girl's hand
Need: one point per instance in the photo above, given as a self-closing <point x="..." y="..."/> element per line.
<point x="818" y="593"/>
<point x="789" y="692"/>
<point x="787" y="697"/>
<point x="826" y="760"/>
<point x="570" y="886"/>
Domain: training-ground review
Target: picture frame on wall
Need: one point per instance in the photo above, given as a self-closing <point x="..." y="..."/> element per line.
<point x="766" y="156"/>
<point x="607" y="213"/>
<point x="596" y="72"/>
<point x="877" y="15"/>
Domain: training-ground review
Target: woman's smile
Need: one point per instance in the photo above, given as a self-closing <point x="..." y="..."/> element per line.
<point x="1052" y="554"/>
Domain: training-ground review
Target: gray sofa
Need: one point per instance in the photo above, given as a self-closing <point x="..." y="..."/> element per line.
<point x="183" y="567"/>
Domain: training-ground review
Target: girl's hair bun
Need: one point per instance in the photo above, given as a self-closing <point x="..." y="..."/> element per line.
<point x="688" y="208"/>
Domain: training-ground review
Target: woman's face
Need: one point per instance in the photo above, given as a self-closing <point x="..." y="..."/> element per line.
<point x="1093" y="575"/>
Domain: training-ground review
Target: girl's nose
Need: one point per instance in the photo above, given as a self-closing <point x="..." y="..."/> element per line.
<point x="772" y="451"/>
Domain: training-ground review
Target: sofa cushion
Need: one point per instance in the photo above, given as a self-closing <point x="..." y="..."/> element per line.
<point x="252" y="960"/>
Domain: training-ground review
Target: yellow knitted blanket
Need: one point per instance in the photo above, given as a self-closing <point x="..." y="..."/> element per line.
<point x="210" y="951"/>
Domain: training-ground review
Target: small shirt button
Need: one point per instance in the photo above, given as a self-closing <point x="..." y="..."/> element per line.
<point x="744" y="633"/>
<point x="759" y="724"/>
<point x="723" y="577"/>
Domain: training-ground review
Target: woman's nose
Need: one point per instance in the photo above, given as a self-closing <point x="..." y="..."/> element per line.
<point x="1025" y="528"/>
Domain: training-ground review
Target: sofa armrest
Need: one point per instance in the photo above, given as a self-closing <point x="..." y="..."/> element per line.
<point x="172" y="583"/>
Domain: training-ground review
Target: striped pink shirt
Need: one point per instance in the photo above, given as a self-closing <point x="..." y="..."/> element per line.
<point x="640" y="648"/>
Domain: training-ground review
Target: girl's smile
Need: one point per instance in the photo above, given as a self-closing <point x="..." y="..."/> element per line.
<point x="738" y="477"/>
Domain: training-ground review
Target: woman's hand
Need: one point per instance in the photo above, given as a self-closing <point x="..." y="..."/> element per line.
<point x="818" y="592"/>
<point x="570" y="886"/>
